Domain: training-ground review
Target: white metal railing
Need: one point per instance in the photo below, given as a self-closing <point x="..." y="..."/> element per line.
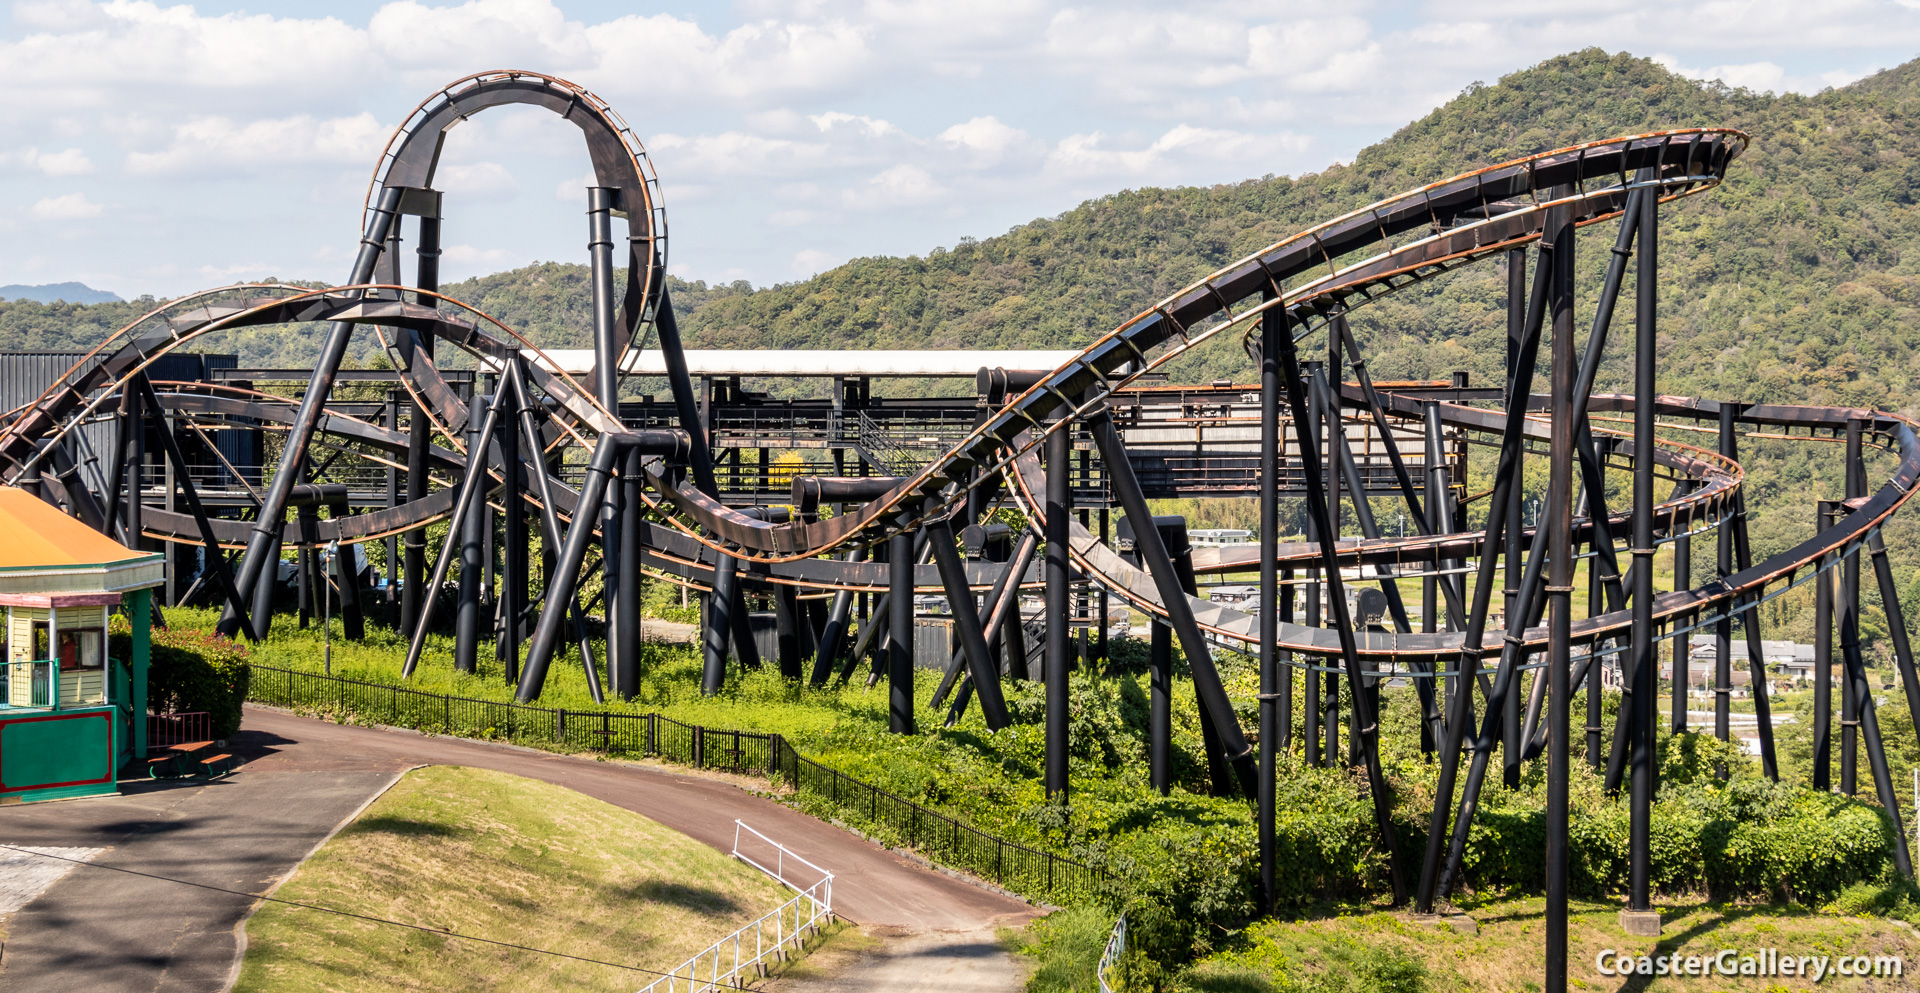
<point x="1110" y="959"/>
<point x="718" y="965"/>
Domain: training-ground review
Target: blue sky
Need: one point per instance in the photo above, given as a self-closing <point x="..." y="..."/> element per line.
<point x="149" y="148"/>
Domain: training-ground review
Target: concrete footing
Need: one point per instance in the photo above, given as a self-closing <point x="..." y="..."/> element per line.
<point x="1641" y="923"/>
<point x="1458" y="923"/>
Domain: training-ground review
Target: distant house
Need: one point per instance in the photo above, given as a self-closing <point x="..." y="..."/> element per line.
<point x="1790" y="660"/>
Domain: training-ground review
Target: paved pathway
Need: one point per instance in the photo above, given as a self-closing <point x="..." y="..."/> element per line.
<point x="98" y="930"/>
<point x="910" y="960"/>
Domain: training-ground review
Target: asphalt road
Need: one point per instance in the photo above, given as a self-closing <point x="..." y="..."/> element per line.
<point x="99" y="930"/>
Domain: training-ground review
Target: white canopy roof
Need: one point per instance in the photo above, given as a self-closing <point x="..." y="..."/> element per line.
<point x="820" y="362"/>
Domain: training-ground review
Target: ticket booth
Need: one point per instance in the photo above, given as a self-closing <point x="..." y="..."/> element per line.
<point x="70" y="714"/>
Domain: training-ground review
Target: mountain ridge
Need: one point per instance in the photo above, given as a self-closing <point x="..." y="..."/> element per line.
<point x="69" y="292"/>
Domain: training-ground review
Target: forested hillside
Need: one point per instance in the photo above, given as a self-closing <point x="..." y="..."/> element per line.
<point x="1797" y="281"/>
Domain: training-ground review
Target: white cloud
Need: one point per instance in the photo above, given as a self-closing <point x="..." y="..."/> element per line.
<point x="1762" y="77"/>
<point x="795" y="218"/>
<point x="750" y="63"/>
<point x="868" y="125"/>
<point x="900" y="186"/>
<point x="811" y="261"/>
<point x="788" y="134"/>
<point x="486" y="258"/>
<point x="71" y="162"/>
<point x="573" y="189"/>
<point x="100" y="55"/>
<point x="989" y="140"/>
<point x="733" y="153"/>
<point x="68" y="207"/>
<point x="57" y="15"/>
<point x="222" y="144"/>
<point x="1089" y="155"/>
<point x="475" y="181"/>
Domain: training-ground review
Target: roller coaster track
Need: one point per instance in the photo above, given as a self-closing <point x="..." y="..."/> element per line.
<point x="1291" y="290"/>
<point x="1329" y="269"/>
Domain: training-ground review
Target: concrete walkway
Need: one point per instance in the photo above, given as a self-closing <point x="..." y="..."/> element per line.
<point x="909" y="960"/>
<point x="97" y="930"/>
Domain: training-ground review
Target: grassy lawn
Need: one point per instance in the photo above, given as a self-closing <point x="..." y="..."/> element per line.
<point x="1365" y="948"/>
<point x="495" y="856"/>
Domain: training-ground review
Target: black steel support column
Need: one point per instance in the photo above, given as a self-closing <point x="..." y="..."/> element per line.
<point x="1852" y="704"/>
<point x="686" y="404"/>
<point x="1101" y="602"/>
<point x="516" y="574"/>
<point x="900" y="562"/>
<point x="601" y="202"/>
<point x="1723" y="628"/>
<point x="1366" y="719"/>
<point x="1517" y="303"/>
<point x="718" y="623"/>
<point x="1756" y="654"/>
<point x="1644" y="665"/>
<point x="1002" y="599"/>
<point x="1059" y="506"/>
<point x="787" y="624"/>
<point x="1334" y="428"/>
<point x="464" y="498"/>
<point x="466" y="620"/>
<point x="1558" y="518"/>
<point x="1823" y="665"/>
<point x="1283" y="715"/>
<point x="1273" y="324"/>
<point x="1682" y="640"/>
<point x="1166" y="582"/>
<point x="307" y="517"/>
<point x="1431" y="721"/>
<point x="1430" y="584"/>
<point x="419" y="436"/>
<point x="834" y="639"/>
<point x="623" y="667"/>
<point x="566" y="575"/>
<point x="1896" y="625"/>
<point x="966" y="617"/>
<point x="216" y="557"/>
<point x="549" y="519"/>
<point x="133" y="454"/>
<point x="1434" y="879"/>
<point x="1596" y="704"/>
<point x="1876" y="746"/>
<point x="392" y="501"/>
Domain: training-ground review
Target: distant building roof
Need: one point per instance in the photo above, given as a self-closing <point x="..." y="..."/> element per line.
<point x="1776" y="652"/>
<point x="953" y="363"/>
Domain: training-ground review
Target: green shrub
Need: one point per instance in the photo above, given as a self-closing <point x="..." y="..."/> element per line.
<point x="1066" y="946"/>
<point x="192" y="671"/>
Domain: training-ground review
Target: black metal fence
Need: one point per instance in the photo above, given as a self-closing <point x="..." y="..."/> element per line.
<point x="1037" y="874"/>
<point x="942" y="838"/>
